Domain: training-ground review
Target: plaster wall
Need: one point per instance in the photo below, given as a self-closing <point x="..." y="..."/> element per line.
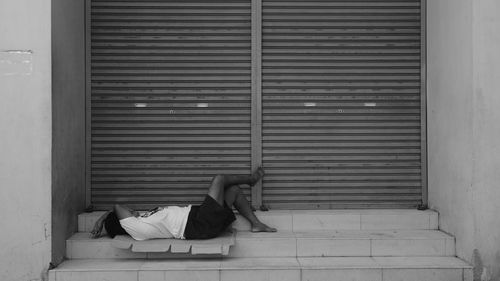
<point x="25" y="139"/>
<point x="464" y="127"/>
<point x="68" y="121"/>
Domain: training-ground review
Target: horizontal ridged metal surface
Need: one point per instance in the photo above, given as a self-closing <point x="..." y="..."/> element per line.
<point x="341" y="103"/>
<point x="170" y="98"/>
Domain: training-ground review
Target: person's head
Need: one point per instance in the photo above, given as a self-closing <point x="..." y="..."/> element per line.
<point x="112" y="225"/>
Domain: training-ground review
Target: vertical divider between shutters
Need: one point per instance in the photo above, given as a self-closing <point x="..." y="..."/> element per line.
<point x="88" y="117"/>
<point x="256" y="89"/>
<point x="423" y="89"/>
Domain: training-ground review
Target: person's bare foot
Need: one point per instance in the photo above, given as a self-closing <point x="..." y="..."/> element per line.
<point x="260" y="227"/>
<point x="257" y="175"/>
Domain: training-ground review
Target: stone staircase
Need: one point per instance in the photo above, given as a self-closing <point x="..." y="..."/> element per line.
<point x="374" y="245"/>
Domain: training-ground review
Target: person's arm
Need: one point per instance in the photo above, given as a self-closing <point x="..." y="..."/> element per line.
<point x="123" y="212"/>
<point x="98" y="226"/>
<point x="131" y="212"/>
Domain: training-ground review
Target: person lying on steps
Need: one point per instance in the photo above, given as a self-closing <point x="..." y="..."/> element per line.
<point x="205" y="221"/>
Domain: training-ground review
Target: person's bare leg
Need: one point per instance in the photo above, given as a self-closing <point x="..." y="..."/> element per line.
<point x="221" y="182"/>
<point x="216" y="189"/>
<point x="234" y="196"/>
<point x="224" y="187"/>
<point x="230" y="180"/>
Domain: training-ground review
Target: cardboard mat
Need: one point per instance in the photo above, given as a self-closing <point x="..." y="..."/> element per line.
<point x="215" y="246"/>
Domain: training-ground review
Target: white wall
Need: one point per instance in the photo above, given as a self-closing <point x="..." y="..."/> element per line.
<point x="25" y="139"/>
<point x="464" y="127"/>
<point x="68" y="121"/>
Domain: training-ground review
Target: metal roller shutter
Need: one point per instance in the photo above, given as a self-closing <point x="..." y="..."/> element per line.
<point x="170" y="98"/>
<point x="342" y="103"/>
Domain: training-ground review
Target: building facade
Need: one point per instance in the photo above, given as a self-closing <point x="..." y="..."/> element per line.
<point x="54" y="148"/>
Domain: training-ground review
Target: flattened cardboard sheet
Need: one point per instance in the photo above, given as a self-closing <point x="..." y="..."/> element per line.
<point x="215" y="246"/>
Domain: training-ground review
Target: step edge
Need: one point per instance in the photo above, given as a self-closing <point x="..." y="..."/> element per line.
<point x="232" y="264"/>
<point x="321" y="235"/>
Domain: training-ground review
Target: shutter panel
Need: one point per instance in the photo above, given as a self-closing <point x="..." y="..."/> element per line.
<point x="341" y="103"/>
<point x="170" y="98"/>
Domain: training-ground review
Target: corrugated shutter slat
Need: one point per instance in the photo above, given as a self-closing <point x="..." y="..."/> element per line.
<point x="341" y="103"/>
<point x="170" y="99"/>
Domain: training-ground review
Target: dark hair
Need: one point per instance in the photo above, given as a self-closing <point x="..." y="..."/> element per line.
<point x="112" y="225"/>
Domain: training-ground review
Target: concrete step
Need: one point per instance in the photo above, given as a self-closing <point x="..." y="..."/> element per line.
<point x="360" y="243"/>
<point x="267" y="269"/>
<point x="317" y="220"/>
